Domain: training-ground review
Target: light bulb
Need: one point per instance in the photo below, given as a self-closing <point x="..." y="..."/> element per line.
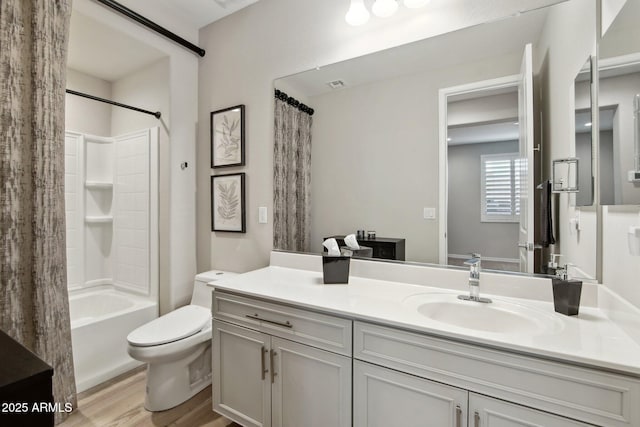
<point x="384" y="8"/>
<point x="414" y="4"/>
<point x="357" y="13"/>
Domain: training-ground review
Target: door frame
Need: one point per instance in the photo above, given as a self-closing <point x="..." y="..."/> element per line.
<point x="443" y="171"/>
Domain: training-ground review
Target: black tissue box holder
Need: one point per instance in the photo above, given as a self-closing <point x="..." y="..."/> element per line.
<point x="566" y="296"/>
<point x="335" y="269"/>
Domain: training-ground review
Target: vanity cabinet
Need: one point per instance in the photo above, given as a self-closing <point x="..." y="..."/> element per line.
<point x="276" y="365"/>
<point x="536" y="388"/>
<point x="384" y="397"/>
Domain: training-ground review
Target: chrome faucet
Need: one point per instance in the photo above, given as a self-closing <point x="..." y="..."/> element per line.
<point x="474" y="280"/>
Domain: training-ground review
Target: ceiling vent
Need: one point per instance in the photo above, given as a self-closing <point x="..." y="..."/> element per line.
<point x="336" y="84"/>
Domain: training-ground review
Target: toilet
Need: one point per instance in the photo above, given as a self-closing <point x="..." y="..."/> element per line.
<point x="177" y="348"/>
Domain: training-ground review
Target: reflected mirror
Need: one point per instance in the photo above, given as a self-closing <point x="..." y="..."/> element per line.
<point x="583" y="136"/>
<point x="619" y="100"/>
<point x="411" y="143"/>
<point x="483" y="182"/>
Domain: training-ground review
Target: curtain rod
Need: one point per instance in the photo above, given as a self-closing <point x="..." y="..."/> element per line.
<point x="157" y="114"/>
<point x="151" y="25"/>
<point x="294" y="102"/>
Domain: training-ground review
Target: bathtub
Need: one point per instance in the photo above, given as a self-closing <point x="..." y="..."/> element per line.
<point x="100" y="322"/>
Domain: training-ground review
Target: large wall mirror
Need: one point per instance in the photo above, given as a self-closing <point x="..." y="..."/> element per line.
<point x="440" y="147"/>
<point x="619" y="100"/>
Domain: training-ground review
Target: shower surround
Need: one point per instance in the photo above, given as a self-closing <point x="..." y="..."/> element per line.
<point x="111" y="197"/>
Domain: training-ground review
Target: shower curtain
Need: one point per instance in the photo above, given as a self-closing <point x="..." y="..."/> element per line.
<point x="292" y="174"/>
<point x="34" y="307"/>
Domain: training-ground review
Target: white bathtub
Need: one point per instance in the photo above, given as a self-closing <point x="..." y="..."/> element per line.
<point x="100" y="323"/>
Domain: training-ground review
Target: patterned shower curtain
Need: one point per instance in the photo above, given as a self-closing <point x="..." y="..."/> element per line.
<point x="34" y="304"/>
<point x="292" y="175"/>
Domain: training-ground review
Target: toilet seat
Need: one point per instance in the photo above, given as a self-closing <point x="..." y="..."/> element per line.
<point x="174" y="326"/>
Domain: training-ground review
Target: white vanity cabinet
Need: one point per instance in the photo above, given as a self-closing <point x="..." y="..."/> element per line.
<point x="383" y="397"/>
<point x="276" y="365"/>
<point x="536" y="388"/>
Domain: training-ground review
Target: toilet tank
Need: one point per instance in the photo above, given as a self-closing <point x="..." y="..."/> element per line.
<point x="201" y="292"/>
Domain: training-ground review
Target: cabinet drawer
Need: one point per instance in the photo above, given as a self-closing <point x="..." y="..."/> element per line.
<point x="584" y="394"/>
<point x="319" y="330"/>
<point x="487" y="412"/>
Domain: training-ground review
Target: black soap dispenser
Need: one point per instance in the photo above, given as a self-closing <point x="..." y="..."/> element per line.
<point x="566" y="292"/>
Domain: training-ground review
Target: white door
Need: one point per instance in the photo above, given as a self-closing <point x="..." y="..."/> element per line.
<point x="383" y="397"/>
<point x="242" y="389"/>
<point x="487" y="412"/>
<point x="525" y="168"/>
<point x="311" y="387"/>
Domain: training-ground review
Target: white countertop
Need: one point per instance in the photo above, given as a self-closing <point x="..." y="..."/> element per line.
<point x="588" y="339"/>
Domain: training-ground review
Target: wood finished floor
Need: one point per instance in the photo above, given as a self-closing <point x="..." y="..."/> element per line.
<point x="120" y="402"/>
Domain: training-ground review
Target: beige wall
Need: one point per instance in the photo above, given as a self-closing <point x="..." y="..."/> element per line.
<point x="466" y="233"/>
<point x="249" y="49"/>
<point x="84" y="115"/>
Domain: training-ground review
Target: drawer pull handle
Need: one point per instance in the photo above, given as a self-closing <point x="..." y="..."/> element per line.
<point x="476" y="419"/>
<point x="263" y="351"/>
<point x="286" y="324"/>
<point x="458" y="416"/>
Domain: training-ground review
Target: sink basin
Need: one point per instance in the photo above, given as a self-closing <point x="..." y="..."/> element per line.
<point x="501" y="317"/>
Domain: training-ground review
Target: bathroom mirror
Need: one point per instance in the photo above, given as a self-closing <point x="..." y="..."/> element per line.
<point x="376" y="150"/>
<point x="583" y="136"/>
<point x="619" y="100"/>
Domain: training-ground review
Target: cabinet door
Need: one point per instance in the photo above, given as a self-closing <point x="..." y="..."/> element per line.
<point x="242" y="387"/>
<point x="383" y="397"/>
<point x="488" y="412"/>
<point x="311" y="387"/>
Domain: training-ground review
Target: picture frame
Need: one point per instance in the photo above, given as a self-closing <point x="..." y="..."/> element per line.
<point x="227" y="137"/>
<point x="228" y="209"/>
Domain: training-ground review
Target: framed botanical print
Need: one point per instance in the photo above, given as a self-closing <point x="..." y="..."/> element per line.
<point x="227" y="203"/>
<point x="227" y="137"/>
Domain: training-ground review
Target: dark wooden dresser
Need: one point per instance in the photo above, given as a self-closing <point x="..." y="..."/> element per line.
<point x="383" y="247"/>
<point x="25" y="381"/>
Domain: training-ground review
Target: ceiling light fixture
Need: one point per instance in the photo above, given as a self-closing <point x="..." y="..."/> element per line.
<point x="357" y="13"/>
<point x="384" y="8"/>
<point x="415" y="4"/>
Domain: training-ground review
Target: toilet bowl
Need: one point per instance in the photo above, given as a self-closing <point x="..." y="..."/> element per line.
<point x="177" y="348"/>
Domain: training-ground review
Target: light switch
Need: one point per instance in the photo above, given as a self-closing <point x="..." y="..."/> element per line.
<point x="262" y="215"/>
<point x="429" y="213"/>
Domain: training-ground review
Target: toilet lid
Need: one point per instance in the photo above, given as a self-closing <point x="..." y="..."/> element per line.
<point x="174" y="326"/>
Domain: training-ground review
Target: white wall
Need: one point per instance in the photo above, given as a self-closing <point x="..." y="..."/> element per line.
<point x="566" y="42"/>
<point x="484" y="109"/>
<point x="621" y="270"/>
<point x="84" y="115"/>
<point x="183" y="101"/>
<point x="275" y="38"/>
<point x="149" y="88"/>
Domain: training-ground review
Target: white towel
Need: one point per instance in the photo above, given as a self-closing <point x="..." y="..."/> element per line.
<point x="332" y="247"/>
<point x="351" y="241"/>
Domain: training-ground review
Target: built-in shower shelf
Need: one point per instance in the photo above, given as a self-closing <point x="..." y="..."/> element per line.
<point x="102" y="219"/>
<point x="98" y="185"/>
